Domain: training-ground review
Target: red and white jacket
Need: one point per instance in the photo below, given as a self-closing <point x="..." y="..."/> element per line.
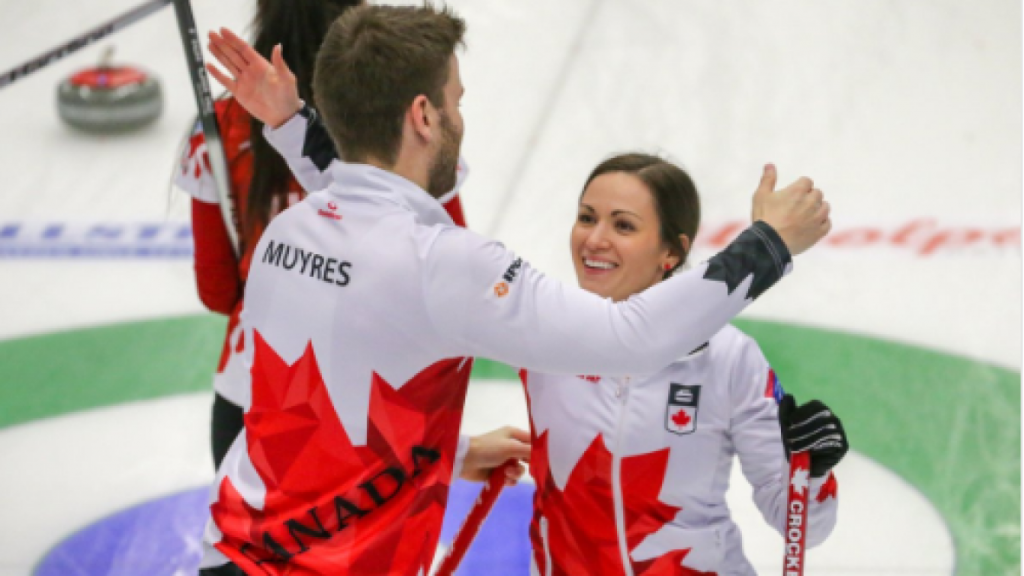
<point x="220" y="274"/>
<point x="632" y="471"/>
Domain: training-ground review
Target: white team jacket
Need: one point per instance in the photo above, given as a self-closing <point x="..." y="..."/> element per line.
<point x="232" y="378"/>
<point x="654" y="454"/>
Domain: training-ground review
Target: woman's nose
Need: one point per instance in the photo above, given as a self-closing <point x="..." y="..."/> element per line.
<point x="598" y="238"/>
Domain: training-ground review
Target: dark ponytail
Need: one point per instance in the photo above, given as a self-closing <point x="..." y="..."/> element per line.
<point x="299" y="26"/>
<point x="675" y="196"/>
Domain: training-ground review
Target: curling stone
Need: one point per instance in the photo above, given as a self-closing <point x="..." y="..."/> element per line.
<point x="109" y="98"/>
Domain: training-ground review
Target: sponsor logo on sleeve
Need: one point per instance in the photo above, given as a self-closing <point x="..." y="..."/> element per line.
<point x="501" y="288"/>
<point x="513" y="270"/>
<point x="681" y="412"/>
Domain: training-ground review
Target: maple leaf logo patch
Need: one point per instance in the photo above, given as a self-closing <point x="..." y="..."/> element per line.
<point x="681" y="412"/>
<point x="681" y="418"/>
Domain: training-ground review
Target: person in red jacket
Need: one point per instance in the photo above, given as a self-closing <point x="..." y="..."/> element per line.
<point x="261" y="187"/>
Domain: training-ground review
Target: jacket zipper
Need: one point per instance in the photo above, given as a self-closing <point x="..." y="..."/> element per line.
<point x="622" y="393"/>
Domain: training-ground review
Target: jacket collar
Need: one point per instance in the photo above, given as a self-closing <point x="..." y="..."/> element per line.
<point x="391" y="186"/>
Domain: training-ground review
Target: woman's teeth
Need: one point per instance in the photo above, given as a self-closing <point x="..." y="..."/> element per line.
<point x="599" y="264"/>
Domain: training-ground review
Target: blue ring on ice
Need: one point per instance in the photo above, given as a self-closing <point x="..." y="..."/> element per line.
<point x="163" y="537"/>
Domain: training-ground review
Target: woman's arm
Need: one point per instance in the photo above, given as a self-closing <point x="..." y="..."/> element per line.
<point x="757" y="438"/>
<point x="216" y="264"/>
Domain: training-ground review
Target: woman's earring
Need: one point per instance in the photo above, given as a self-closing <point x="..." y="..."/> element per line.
<point x="668" y="266"/>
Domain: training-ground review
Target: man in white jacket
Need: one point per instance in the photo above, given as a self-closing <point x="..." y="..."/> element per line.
<point x="365" y="306"/>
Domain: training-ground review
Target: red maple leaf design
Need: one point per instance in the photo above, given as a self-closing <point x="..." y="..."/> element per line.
<point x="196" y="146"/>
<point x="681" y="418"/>
<point x="830" y="489"/>
<point x="581" y="537"/>
<point x="331" y="507"/>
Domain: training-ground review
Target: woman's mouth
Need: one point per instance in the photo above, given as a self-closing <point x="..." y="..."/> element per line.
<point x="598" y="265"/>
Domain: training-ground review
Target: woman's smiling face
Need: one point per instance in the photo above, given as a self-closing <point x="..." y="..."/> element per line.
<point x="616" y="243"/>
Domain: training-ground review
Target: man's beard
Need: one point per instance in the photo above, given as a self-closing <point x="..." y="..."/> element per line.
<point x="444" y="170"/>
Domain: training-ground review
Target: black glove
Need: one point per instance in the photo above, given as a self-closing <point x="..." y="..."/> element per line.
<point x="812" y="427"/>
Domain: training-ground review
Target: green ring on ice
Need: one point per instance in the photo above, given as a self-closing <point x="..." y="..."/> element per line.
<point x="948" y="425"/>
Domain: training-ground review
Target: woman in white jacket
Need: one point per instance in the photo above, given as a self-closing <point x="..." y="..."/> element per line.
<point x="632" y="472"/>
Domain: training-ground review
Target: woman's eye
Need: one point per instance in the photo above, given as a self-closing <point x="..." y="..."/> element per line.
<point x="585" y="219"/>
<point x="625" y="226"/>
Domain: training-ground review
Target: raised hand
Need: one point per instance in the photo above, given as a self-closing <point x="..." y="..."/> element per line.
<point x="267" y="90"/>
<point x="490" y="450"/>
<point x="798" y="212"/>
<point x="813" y="428"/>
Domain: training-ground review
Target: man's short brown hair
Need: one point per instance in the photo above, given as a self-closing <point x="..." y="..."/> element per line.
<point x="375" y="60"/>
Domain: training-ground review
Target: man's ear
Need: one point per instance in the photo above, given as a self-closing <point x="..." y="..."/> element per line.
<point x="418" y="115"/>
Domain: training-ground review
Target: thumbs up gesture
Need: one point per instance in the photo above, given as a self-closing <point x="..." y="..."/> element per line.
<point x="798" y="212"/>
